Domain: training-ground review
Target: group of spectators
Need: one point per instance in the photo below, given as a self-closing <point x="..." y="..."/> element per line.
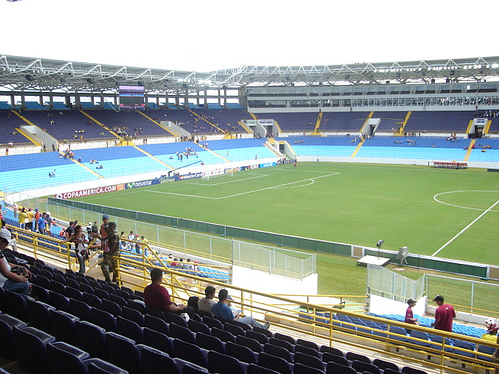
<point x="34" y="220"/>
<point x="158" y="297"/>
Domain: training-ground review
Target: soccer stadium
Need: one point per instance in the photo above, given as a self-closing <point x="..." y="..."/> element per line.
<point x="328" y="200"/>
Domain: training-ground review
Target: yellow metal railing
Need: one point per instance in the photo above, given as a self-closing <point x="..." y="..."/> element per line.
<point x="322" y="321"/>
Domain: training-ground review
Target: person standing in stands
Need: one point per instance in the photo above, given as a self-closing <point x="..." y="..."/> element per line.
<point x="222" y="311"/>
<point x="444" y="315"/>
<point x="409" y="312"/>
<point x="109" y="263"/>
<point x="157" y="296"/>
<point x="103" y="233"/>
<point x="81" y="252"/>
<point x="22" y="218"/>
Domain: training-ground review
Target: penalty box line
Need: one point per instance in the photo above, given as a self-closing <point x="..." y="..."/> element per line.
<point x="466" y="227"/>
<point x="244" y="193"/>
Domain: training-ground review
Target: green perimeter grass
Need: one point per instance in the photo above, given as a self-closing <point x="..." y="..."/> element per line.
<point x="348" y="203"/>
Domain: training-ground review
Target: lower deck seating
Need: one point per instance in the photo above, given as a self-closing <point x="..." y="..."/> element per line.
<point x="98" y="341"/>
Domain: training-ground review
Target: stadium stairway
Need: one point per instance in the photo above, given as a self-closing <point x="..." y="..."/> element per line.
<point x="159" y="124"/>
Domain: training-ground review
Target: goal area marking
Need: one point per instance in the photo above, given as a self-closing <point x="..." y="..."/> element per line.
<point x="280" y="186"/>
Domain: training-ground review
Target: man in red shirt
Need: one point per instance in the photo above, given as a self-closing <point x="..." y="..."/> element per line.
<point x="444" y="315"/>
<point x="156" y="296"/>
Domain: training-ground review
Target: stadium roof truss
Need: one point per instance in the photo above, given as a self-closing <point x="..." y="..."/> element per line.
<point x="48" y="75"/>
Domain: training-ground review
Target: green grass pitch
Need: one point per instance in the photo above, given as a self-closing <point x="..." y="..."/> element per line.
<point x="450" y="213"/>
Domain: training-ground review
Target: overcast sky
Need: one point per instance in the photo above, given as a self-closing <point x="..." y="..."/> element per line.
<point x="205" y="35"/>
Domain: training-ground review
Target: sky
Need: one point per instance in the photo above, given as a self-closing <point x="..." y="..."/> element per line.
<point x="207" y="35"/>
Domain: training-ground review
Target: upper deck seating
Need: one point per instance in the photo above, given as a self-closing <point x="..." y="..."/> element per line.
<point x="225" y="119"/>
<point x="129" y="123"/>
<point x="8" y="124"/>
<point x="389" y="121"/>
<point x="440" y="121"/>
<point x="351" y="122"/>
<point x="288" y="122"/>
<point x="66" y="124"/>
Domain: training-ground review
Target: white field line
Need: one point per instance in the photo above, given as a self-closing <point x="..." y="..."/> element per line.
<point x="248" y="192"/>
<point x="461" y="232"/>
<point x="229" y="182"/>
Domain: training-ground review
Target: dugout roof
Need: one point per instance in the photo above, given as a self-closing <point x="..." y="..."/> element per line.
<point x="49" y="75"/>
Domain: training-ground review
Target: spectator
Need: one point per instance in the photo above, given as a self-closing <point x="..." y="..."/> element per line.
<point x="444" y="315"/>
<point x="137" y="245"/>
<point x="205" y="304"/>
<point x="492" y="330"/>
<point x="108" y="263"/>
<point x="156" y="296"/>
<point x="103" y="231"/>
<point x="144" y="246"/>
<point x="81" y="252"/>
<point x="409" y="312"/>
<point x="48" y="223"/>
<point x="181" y="264"/>
<point x="22" y="217"/>
<point x="131" y="238"/>
<point x="41" y="227"/>
<point x="223" y="311"/>
<point x="17" y="276"/>
<point x="188" y="267"/>
<point x="69" y="230"/>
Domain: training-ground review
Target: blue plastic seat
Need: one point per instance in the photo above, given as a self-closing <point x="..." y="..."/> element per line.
<point x="64" y="358"/>
<point x="362" y="367"/>
<point x="274" y="363"/>
<point x="39" y="316"/>
<point x="250" y="343"/>
<point x="210" y="342"/>
<point x="299" y="368"/>
<point x="279" y="351"/>
<point x="182" y="333"/>
<point x="197" y="326"/>
<point x="157" y="362"/>
<point x="422" y="336"/>
<point x="104" y="319"/>
<point x="98" y="366"/>
<point x="219" y="363"/>
<point x="308" y="360"/>
<point x="63" y="326"/>
<point x="123" y="353"/>
<point x="129" y="329"/>
<point x="190" y="352"/>
<point x="157" y="324"/>
<point x="223" y="335"/>
<point x="31" y="349"/>
<point x="80" y="309"/>
<point x="133" y="315"/>
<point x="111" y="307"/>
<point x="241" y="352"/>
<point x="334" y="368"/>
<point x="91" y="338"/>
<point x="7" y="324"/>
<point x="158" y="340"/>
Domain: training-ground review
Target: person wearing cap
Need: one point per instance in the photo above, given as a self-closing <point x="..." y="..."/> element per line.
<point x="492" y="331"/>
<point x="409" y="312"/>
<point x="222" y="311"/>
<point x="48" y="223"/>
<point x="444" y="315"/>
<point x="16" y="282"/>
<point x="158" y="297"/>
